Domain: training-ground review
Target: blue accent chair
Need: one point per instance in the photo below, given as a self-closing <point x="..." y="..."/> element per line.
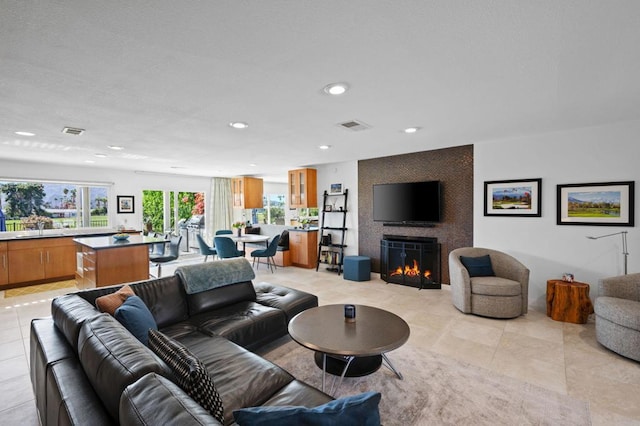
<point x="269" y="252"/>
<point x="205" y="249"/>
<point x="224" y="231"/>
<point x="226" y="248"/>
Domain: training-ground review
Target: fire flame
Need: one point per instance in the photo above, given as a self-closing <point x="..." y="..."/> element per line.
<point x="411" y="271"/>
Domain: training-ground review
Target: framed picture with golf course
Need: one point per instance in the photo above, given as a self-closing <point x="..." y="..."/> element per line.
<point x="520" y="197"/>
<point x="602" y="204"/>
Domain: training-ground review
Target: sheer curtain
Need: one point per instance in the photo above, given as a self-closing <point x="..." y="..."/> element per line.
<point x="219" y="212"/>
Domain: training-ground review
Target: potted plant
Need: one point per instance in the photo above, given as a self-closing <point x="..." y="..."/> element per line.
<point x="238" y="226"/>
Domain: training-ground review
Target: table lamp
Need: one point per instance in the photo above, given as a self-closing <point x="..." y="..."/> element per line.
<point x="625" y="253"/>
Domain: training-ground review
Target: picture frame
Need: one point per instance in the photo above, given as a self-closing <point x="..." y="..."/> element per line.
<point x="515" y="197"/>
<point x="597" y="204"/>
<point x="126" y="204"/>
<point x="328" y="207"/>
<point x="335" y="188"/>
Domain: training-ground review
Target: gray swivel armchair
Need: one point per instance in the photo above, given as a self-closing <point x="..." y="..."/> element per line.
<point x="501" y="292"/>
<point x="617" y="311"/>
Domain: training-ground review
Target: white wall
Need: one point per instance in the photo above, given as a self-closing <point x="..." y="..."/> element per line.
<point x="347" y="174"/>
<point x="597" y="154"/>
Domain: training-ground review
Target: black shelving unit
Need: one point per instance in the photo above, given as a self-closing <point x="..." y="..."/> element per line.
<point x="330" y="252"/>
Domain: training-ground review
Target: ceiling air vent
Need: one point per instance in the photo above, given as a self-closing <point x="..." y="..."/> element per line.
<point x="354" y="125"/>
<point x="73" y="131"/>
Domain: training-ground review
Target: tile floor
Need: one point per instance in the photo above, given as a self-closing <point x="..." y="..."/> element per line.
<point x="558" y="356"/>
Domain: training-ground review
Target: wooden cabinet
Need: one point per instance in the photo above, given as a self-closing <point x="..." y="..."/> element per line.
<point x="60" y="261"/>
<point x="303" y="188"/>
<point x="247" y="193"/>
<point x="26" y="264"/>
<point x="302" y="245"/>
<point x="43" y="259"/>
<point x="4" y="264"/>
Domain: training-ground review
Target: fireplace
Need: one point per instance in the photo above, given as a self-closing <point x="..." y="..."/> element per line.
<point x="411" y="261"/>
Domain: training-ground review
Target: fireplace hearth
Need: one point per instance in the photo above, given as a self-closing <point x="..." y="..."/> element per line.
<point x="410" y="261"/>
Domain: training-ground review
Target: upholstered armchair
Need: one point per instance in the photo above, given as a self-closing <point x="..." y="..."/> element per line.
<point x="497" y="290"/>
<point x="617" y="311"/>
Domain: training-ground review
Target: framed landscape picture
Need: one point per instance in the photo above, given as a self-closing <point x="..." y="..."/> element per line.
<point x="603" y="204"/>
<point x="513" y="197"/>
<point x="125" y="204"/>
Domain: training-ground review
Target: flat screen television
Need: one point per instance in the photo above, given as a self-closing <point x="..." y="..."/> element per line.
<point x="407" y="203"/>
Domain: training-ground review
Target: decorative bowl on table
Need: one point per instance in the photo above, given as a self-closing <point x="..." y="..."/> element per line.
<point x="121" y="237"/>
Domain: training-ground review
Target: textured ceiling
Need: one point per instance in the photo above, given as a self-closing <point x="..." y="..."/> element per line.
<point x="164" y="78"/>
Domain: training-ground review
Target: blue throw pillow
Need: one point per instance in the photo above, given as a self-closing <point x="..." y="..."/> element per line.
<point x="478" y="266"/>
<point x="356" y="410"/>
<point x="134" y="315"/>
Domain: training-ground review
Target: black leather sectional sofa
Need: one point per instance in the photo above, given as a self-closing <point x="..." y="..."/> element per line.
<point x="86" y="368"/>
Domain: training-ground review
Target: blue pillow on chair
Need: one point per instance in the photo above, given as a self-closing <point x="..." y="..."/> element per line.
<point x="478" y="266"/>
<point x="134" y="315"/>
<point x="356" y="410"/>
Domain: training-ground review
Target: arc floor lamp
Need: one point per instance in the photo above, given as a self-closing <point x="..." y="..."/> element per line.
<point x="625" y="253"/>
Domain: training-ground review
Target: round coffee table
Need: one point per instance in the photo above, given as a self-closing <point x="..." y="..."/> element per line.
<point x="349" y="348"/>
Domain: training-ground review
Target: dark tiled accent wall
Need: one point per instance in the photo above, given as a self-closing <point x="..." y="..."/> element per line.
<point x="452" y="166"/>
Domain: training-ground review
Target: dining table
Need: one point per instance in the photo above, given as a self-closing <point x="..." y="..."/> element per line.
<point x="248" y="238"/>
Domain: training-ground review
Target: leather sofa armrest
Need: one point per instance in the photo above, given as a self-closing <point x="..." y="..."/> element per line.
<point x="154" y="400"/>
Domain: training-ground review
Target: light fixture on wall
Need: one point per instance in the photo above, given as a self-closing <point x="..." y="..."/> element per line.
<point x="625" y="253"/>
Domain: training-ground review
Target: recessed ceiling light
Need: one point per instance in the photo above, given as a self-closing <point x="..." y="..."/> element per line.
<point x="25" y="133"/>
<point x="238" y="125"/>
<point x="101" y="155"/>
<point x="336" y="89"/>
<point x="89" y="161"/>
<point x="411" y="129"/>
<point x="324" y="146"/>
<point x="116" y="147"/>
<point x="252" y="165"/>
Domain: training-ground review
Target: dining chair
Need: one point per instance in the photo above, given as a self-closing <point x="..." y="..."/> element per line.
<point x="269" y="252"/>
<point x="226" y="248"/>
<point x="204" y="248"/>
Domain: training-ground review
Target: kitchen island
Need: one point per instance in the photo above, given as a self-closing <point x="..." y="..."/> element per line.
<point x="31" y="257"/>
<point x="103" y="261"/>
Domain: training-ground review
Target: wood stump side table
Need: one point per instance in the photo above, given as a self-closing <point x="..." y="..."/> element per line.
<point x="568" y="301"/>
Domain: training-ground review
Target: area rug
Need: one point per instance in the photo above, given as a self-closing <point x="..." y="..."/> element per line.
<point x="39" y="288"/>
<point x="440" y="391"/>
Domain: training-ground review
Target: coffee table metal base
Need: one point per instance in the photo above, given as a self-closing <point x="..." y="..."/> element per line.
<point x="351" y="366"/>
<point x="360" y="366"/>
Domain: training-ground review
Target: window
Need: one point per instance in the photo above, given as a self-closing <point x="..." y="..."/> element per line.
<point x="272" y="213"/>
<point x="158" y="204"/>
<point x="58" y="204"/>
